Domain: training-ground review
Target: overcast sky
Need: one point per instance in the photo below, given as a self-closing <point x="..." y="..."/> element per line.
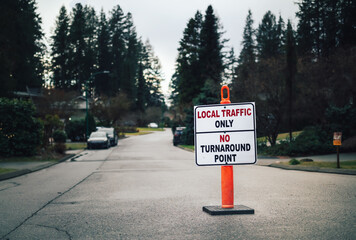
<point x="163" y="21"/>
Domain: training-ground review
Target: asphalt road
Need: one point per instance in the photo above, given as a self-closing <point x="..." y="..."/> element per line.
<point x="147" y="189"/>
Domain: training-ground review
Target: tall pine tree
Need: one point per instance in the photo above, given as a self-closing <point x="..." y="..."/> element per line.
<point x="211" y="57"/>
<point x="78" y="47"/>
<point x="244" y="86"/>
<point x="61" y="52"/>
<point x="104" y="85"/>
<point x="130" y="66"/>
<point x="21" y="47"/>
<point x="268" y="37"/>
<point x="118" y="47"/>
<point x="291" y="71"/>
<point x="188" y="62"/>
<point x="270" y="78"/>
<point x="90" y="38"/>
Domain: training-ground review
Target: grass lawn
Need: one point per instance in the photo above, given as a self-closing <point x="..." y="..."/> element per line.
<point x="344" y="165"/>
<point x="76" y="145"/>
<point x="6" y="170"/>
<point x="188" y="146"/>
<point x="137" y="133"/>
<point x="46" y="157"/>
<point x="145" y="129"/>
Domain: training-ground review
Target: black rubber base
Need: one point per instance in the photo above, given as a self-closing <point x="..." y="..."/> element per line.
<point x="237" y="209"/>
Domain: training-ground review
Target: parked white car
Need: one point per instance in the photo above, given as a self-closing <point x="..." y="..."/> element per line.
<point x="152" y="125"/>
<point x="112" y="134"/>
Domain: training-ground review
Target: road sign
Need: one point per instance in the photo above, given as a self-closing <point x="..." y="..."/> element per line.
<point x="337" y="138"/>
<point x="225" y="134"/>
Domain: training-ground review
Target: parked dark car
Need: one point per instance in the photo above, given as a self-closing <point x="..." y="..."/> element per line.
<point x="177" y="137"/>
<point x="98" y="140"/>
<point x="112" y="134"/>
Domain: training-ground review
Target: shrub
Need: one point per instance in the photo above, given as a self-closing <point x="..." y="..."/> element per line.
<point x="59" y="136"/>
<point x="313" y="140"/>
<point x="50" y="124"/>
<point x="294" y="161"/>
<point x="20" y="131"/>
<point x="60" y="147"/>
<point x="306" y="160"/>
<point x="75" y="130"/>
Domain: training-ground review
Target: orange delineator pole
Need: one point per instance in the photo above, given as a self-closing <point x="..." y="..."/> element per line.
<point x="227" y="172"/>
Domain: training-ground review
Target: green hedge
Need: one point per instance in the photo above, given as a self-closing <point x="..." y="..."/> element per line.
<point x="313" y="140"/>
<point x="59" y="136"/>
<point x="20" y="131"/>
<point x="76" y="129"/>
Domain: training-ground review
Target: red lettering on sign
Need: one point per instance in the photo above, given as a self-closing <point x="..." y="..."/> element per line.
<point x="209" y="114"/>
<point x="236" y="112"/>
<point x="225" y="138"/>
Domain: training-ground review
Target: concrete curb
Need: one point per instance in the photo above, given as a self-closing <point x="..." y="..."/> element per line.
<point x="187" y="149"/>
<point x="314" y="169"/>
<point x="26" y="171"/>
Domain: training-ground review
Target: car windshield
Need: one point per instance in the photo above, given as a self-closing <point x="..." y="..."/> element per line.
<point x="98" y="134"/>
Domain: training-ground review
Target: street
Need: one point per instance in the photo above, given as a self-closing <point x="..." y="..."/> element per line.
<point x="145" y="188"/>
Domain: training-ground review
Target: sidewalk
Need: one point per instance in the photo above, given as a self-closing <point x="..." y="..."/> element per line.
<point x="28" y="167"/>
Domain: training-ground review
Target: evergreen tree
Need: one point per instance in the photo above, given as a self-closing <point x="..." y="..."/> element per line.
<point x="153" y="77"/>
<point x="130" y="67"/>
<point x="230" y="65"/>
<point x="305" y="31"/>
<point x="149" y="78"/>
<point x="29" y="70"/>
<point x="78" y="47"/>
<point x="90" y="50"/>
<point x="117" y="44"/>
<point x="9" y="55"/>
<point x="211" y="57"/>
<point x="248" y="54"/>
<point x="291" y="70"/>
<point x="270" y="80"/>
<point x="281" y="35"/>
<point x="142" y="91"/>
<point x="60" y="51"/>
<point x="104" y="85"/>
<point x="347" y="32"/>
<point x="243" y="86"/>
<point x="173" y="85"/>
<point x="325" y="25"/>
<point x="21" y="47"/>
<point x="268" y="37"/>
<point x="188" y="62"/>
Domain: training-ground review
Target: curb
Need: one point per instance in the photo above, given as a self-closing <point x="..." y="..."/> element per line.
<point x="314" y="169"/>
<point x="187" y="149"/>
<point x="26" y="171"/>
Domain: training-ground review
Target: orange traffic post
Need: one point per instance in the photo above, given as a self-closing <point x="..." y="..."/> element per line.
<point x="227" y="172"/>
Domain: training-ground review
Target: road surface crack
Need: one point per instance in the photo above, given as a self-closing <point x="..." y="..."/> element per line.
<point x="57" y="229"/>
<point x="44" y="206"/>
<point x="9" y="185"/>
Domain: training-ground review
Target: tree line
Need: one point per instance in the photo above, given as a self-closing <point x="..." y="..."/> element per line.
<point x="21" y="47"/>
<point x="295" y="76"/>
<point x="82" y="44"/>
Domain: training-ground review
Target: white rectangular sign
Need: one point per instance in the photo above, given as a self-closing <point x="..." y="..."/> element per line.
<point x="225" y="134"/>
